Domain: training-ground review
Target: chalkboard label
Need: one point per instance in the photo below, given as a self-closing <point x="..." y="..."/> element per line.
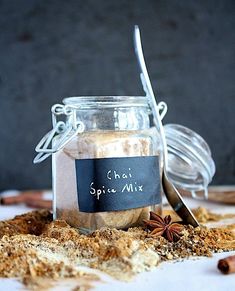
<point x="111" y="184"/>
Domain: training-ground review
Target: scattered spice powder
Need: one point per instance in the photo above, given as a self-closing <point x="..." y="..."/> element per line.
<point x="58" y="249"/>
<point x="203" y="215"/>
<point x="29" y="223"/>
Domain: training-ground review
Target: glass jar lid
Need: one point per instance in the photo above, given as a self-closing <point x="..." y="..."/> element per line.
<point x="190" y="165"/>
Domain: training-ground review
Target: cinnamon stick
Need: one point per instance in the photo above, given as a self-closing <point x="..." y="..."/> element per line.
<point x="32" y="198"/>
<point x="217" y="194"/>
<point x="40" y="203"/>
<point x="24" y="197"/>
<point x="12" y="200"/>
<point x="227" y="265"/>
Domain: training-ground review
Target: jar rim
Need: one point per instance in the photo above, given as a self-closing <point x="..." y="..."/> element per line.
<point x="106" y="101"/>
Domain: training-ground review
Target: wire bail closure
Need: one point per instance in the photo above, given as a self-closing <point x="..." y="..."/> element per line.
<point x="61" y="133"/>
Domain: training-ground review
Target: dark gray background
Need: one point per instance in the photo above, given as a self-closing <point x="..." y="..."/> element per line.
<point x="53" y="49"/>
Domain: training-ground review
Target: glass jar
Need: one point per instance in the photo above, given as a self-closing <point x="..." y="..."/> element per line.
<point x="190" y="164"/>
<point x="110" y="173"/>
<point x="107" y="161"/>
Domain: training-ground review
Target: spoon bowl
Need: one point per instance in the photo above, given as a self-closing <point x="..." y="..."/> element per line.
<point x="176" y="201"/>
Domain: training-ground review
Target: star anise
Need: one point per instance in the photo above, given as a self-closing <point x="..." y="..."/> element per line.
<point x="164" y="227"/>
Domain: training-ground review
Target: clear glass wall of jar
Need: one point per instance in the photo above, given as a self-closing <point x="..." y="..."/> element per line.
<point x="110" y="174"/>
<point x="190" y="164"/>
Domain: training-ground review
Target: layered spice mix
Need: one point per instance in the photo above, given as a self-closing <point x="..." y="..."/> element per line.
<point x="34" y="246"/>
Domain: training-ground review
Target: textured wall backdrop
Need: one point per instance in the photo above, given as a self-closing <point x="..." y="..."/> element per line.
<point x="53" y="49"/>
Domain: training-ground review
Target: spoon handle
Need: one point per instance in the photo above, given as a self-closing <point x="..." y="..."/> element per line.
<point x="149" y="90"/>
<point x="171" y="192"/>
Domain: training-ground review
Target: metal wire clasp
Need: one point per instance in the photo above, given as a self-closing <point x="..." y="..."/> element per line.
<point x="61" y="133"/>
<point x="162" y="108"/>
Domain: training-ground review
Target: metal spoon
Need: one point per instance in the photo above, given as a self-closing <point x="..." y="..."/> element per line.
<point x="172" y="194"/>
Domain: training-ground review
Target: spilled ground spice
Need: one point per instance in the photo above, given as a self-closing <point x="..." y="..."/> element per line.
<point x="56" y="250"/>
<point x="203" y="215"/>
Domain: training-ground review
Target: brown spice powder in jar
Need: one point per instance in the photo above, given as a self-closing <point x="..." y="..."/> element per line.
<point x="92" y="145"/>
